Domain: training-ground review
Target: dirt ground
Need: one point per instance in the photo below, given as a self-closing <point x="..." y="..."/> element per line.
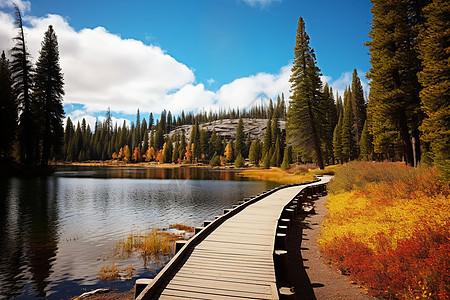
<point x="312" y="277"/>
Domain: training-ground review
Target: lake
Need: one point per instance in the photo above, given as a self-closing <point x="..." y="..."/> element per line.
<point x="57" y="232"/>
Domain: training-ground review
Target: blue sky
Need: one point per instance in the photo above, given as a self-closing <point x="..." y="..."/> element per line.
<point x="201" y="54"/>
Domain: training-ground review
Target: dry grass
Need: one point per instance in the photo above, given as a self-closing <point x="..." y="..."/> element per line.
<point x="276" y="175"/>
<point x="297" y="174"/>
<point x="110" y="272"/>
<point x="182" y="227"/>
<point x="152" y="246"/>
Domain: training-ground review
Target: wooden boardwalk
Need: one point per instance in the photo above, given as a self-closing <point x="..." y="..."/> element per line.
<point x="234" y="260"/>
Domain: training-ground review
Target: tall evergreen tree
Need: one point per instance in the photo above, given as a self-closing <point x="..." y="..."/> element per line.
<point x="239" y="144"/>
<point x="347" y="136"/>
<point x="305" y="109"/>
<point x="329" y="124"/>
<point x="8" y="109"/>
<point x="21" y="71"/>
<point x="337" y="139"/>
<point x="255" y="152"/>
<point x="48" y="93"/>
<point x="365" y="143"/>
<point x="358" y="106"/>
<point x="137" y="136"/>
<point x="394" y="93"/>
<point x="434" y="51"/>
<point x="267" y="142"/>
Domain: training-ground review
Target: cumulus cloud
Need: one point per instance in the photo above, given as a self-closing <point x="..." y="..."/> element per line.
<point x="260" y="3"/>
<point x="24" y="6"/>
<point x="101" y="69"/>
<point x="344" y="81"/>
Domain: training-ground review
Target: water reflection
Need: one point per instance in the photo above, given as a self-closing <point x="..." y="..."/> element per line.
<point x="29" y="239"/>
<point x="53" y="230"/>
<point x="181" y="172"/>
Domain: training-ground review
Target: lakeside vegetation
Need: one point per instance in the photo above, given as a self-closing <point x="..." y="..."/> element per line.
<point x="388" y="228"/>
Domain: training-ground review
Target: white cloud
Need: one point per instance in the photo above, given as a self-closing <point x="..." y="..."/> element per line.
<point x="101" y="69"/>
<point x="24" y="6"/>
<point x="344" y="81"/>
<point x="243" y="92"/>
<point x="78" y="116"/>
<point x="261" y="3"/>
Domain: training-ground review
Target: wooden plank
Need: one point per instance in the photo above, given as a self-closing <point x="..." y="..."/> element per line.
<point x="187" y="294"/>
<point x="229" y="290"/>
<point x="231" y="268"/>
<point x="203" y="277"/>
<point x="226" y="274"/>
<point x="236" y="252"/>
<point x="232" y="261"/>
<point x="221" y="284"/>
<point x="234" y="244"/>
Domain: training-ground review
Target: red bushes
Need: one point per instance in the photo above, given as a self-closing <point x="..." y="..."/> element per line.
<point x="418" y="267"/>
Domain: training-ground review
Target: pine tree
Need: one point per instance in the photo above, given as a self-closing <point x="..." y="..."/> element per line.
<point x="48" y="93"/>
<point x="394" y="93"/>
<point x="276" y="155"/>
<point x="267" y="142"/>
<point x="285" y="163"/>
<point x="182" y="147"/>
<point x="365" y="143"/>
<point x="305" y="107"/>
<point x="8" y="109"/>
<point x="248" y="143"/>
<point x="255" y="152"/>
<point x="435" y="77"/>
<point x="21" y="73"/>
<point x="239" y="144"/>
<point x="69" y="132"/>
<point x="337" y="139"/>
<point x="150" y="121"/>
<point x="137" y="134"/>
<point x="329" y="124"/>
<point x="347" y="137"/>
<point x="159" y="136"/>
<point x="358" y="106"/>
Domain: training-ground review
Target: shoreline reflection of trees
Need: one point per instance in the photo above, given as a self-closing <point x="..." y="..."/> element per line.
<point x="31" y="235"/>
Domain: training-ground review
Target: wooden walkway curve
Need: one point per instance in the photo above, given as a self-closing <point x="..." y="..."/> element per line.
<point x="234" y="260"/>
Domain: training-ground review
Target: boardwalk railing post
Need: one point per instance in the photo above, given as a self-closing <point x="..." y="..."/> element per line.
<point x="179" y="245"/>
<point x="280" y="258"/>
<point x="281" y="241"/>
<point x="285" y="222"/>
<point x="286" y="293"/>
<point x="198" y="229"/>
<point x="141" y="283"/>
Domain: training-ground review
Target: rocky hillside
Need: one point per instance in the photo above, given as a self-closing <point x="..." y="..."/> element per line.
<point x="227" y="128"/>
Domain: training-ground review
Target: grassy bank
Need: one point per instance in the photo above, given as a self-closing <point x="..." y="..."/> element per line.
<point x="298" y="174"/>
<point x="388" y="228"/>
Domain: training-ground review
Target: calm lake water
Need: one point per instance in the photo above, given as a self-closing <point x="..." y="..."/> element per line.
<point x="57" y="232"/>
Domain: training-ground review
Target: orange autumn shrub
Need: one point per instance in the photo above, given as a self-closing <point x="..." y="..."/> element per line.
<point x="388" y="228"/>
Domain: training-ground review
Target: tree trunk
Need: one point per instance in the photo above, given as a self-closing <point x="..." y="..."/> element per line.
<point x="406" y="138"/>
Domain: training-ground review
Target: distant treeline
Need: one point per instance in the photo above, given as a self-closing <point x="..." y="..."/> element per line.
<point x="149" y="141"/>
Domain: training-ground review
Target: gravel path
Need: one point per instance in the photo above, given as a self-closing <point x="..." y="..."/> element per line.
<point x="312" y="277"/>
